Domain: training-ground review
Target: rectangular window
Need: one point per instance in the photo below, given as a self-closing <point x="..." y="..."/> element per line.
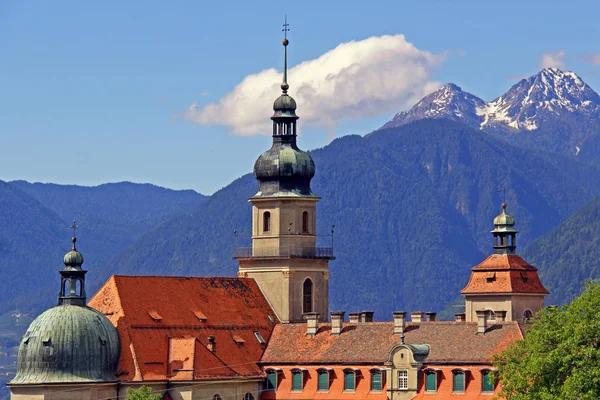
<point x="403" y="379"/>
<point x="323" y="383"/>
<point x="349" y="381"/>
<point x="297" y="381"/>
<point x="459" y="382"/>
<point x="486" y="382"/>
<point x="271" y="381"/>
<point x="431" y="382"/>
<point x="376" y="381"/>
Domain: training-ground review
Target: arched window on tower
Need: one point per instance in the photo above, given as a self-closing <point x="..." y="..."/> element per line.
<point x="78" y="288"/>
<point x="527" y="315"/>
<point x="66" y="287"/>
<point x="266" y="221"/>
<point x="307" y="296"/>
<point x="305" y="222"/>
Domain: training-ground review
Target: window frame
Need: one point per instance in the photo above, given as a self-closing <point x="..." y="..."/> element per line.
<point x="435" y="374"/>
<point x="455" y="373"/>
<point x="266" y="221"/>
<point x="296" y="372"/>
<point x="320" y="372"/>
<point x="268" y="382"/>
<point x="348" y="372"/>
<point x="485" y="374"/>
<point x="402" y="379"/>
<point x="310" y="295"/>
<point x="305" y="222"/>
<point x="380" y="372"/>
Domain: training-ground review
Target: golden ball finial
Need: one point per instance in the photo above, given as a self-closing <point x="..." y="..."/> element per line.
<point x="285" y="42"/>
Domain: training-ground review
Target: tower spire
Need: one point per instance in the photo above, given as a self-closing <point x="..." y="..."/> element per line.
<point x="72" y="285"/>
<point x="286" y="28"/>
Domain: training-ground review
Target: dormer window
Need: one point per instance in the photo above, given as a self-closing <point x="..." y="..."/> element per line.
<point x="259" y="337"/>
<point x="155" y="316"/>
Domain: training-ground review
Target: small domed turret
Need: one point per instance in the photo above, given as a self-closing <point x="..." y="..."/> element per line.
<point x="69" y="343"/>
<point x="505" y="234"/>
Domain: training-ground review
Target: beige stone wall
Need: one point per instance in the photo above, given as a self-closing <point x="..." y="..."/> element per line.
<point x="196" y="390"/>
<point x="401" y="358"/>
<point x="514" y="305"/>
<point x="282" y="280"/>
<point x="65" y="392"/>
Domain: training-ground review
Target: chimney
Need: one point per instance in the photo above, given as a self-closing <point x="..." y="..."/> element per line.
<point x="312" y="323"/>
<point x="500" y="316"/>
<point x="481" y="321"/>
<point x="354" y="317"/>
<point x="212" y="345"/>
<point x="461" y="317"/>
<point x="430" y="316"/>
<point x="366" y="316"/>
<point x="417" y="316"/>
<point x="399" y="322"/>
<point x="337" y="319"/>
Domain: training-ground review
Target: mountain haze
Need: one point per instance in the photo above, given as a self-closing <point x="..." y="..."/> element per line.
<point x="412" y="206"/>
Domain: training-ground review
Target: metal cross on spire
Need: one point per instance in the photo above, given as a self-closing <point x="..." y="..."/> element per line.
<point x="503" y="190"/>
<point x="286" y="28"/>
<point x="74" y="227"/>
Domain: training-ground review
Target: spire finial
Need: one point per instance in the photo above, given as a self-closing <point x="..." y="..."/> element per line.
<point x="285" y="30"/>
<point x="74" y="238"/>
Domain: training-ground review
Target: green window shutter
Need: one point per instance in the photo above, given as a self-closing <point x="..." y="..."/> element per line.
<point x="376" y="381"/>
<point x="459" y="382"/>
<point x="272" y="381"/>
<point x="349" y="381"/>
<point x="486" y="382"/>
<point x="297" y="380"/>
<point x="431" y="382"/>
<point x="323" y="381"/>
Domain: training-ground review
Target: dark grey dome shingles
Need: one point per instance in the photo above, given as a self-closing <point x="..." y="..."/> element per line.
<point x="68" y="343"/>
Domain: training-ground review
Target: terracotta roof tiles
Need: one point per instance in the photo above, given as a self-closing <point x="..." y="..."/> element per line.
<point x="451" y="342"/>
<point x="191" y="309"/>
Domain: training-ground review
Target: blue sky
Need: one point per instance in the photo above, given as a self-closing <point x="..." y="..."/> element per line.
<point x="96" y="92"/>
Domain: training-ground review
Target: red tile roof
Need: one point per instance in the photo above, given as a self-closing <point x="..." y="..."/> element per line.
<point x="174" y="347"/>
<point x="504" y="273"/>
<point x="363" y="343"/>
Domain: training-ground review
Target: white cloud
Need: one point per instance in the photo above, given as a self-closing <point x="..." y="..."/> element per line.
<point x="553" y="59"/>
<point x="357" y="79"/>
<point x="593" y="59"/>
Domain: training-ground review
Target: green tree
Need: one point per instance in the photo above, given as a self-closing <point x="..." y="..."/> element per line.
<point x="143" y="393"/>
<point x="560" y="356"/>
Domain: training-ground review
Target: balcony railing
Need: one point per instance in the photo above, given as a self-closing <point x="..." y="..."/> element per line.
<point x="293" y="252"/>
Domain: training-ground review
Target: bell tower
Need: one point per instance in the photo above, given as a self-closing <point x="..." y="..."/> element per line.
<point x="504" y="285"/>
<point x="284" y="259"/>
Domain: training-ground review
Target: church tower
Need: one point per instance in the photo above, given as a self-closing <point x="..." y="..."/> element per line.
<point x="504" y="285"/>
<point x="284" y="259"/>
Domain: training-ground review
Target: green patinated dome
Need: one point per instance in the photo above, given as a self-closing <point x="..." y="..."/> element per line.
<point x="68" y="344"/>
<point x="73" y="259"/>
<point x="284" y="105"/>
<point x="504" y="222"/>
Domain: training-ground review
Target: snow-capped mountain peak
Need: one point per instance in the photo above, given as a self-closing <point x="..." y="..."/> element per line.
<point x="531" y="101"/>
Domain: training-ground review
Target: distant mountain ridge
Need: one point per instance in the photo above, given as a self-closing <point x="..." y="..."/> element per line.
<point x="552" y="111"/>
<point x="35" y="234"/>
<point x="410" y="223"/>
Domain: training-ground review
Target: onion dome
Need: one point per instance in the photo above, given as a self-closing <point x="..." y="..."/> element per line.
<point x="504" y="222"/>
<point x="73" y="259"/>
<point x="284" y="170"/>
<point x="71" y="342"/>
